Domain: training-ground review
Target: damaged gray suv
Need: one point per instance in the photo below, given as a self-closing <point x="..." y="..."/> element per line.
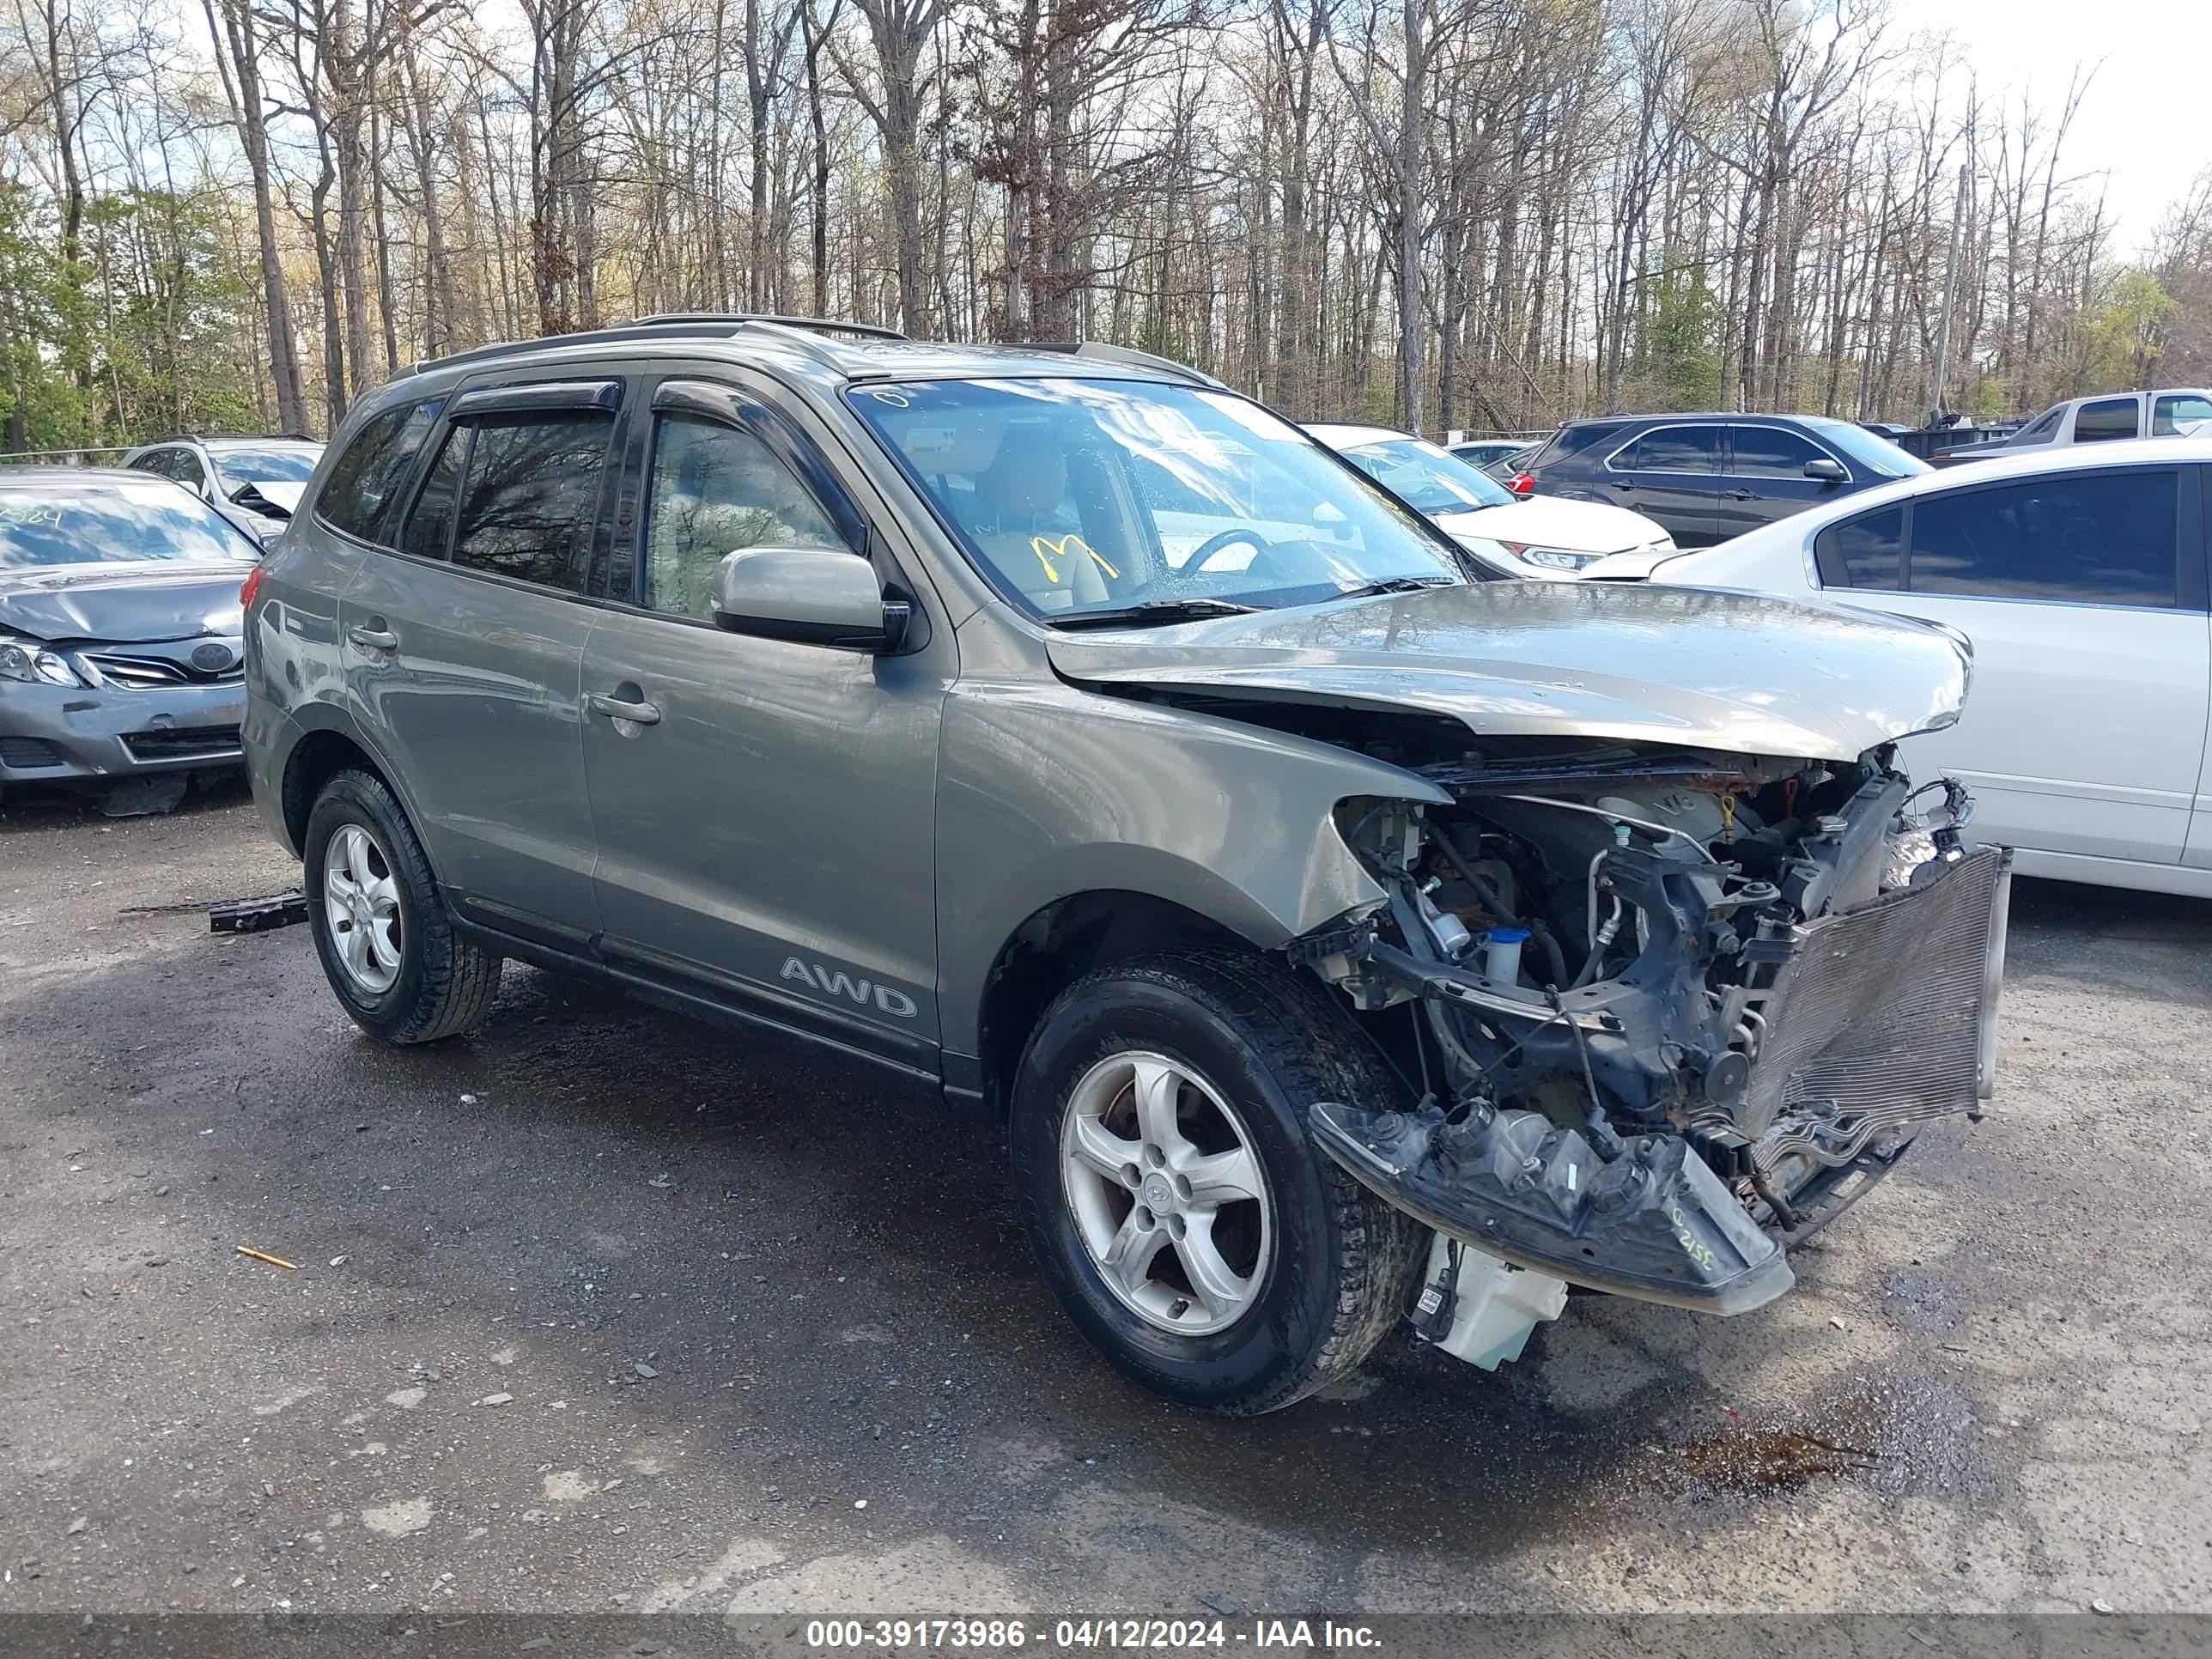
<point x="1340" y="936"/>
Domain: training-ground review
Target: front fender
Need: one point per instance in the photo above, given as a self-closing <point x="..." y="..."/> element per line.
<point x="1047" y="790"/>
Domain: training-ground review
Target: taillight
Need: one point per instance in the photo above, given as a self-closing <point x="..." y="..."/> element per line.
<point x="1520" y="483"/>
<point x="250" y="587"/>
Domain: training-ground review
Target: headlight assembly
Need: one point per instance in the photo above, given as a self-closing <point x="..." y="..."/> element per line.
<point x="1551" y="558"/>
<point x="30" y="661"/>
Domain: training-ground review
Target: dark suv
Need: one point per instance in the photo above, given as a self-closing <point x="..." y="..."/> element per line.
<point x="1707" y="477"/>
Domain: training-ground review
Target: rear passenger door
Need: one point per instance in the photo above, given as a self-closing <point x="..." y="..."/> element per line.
<point x="1671" y="473"/>
<point x="2084" y="594"/>
<point x="766" y="808"/>
<point x="464" y="642"/>
<point x="1763" y="477"/>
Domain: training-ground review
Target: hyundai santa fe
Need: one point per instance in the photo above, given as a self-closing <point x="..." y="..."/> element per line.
<point x="1340" y="936"/>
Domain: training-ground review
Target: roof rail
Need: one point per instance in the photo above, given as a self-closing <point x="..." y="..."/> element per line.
<point x="674" y="325"/>
<point x="616" y="335"/>
<point x="818" y="325"/>
<point x="1099" y="351"/>
<point x="233" y="438"/>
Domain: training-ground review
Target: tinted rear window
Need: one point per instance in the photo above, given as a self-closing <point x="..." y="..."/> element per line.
<point x="531" y="496"/>
<point x="430" y="520"/>
<point x="1867" y="552"/>
<point x="2094" y="538"/>
<point x="1571" y="440"/>
<point x="1673" y="449"/>
<point x="2102" y="422"/>
<point x="358" y="497"/>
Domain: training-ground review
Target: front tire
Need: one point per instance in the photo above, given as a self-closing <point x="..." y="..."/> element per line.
<point x="1177" y="1207"/>
<point x="388" y="946"/>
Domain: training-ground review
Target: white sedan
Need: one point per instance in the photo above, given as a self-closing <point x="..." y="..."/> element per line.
<point x="1543" y="536"/>
<point x="2081" y="578"/>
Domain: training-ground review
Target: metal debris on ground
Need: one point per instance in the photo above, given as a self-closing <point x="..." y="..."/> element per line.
<point x="263" y="1255"/>
<point x="254" y="915"/>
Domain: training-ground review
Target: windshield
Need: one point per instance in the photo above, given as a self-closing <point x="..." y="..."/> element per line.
<point x="1077" y="496"/>
<point x="1428" y="479"/>
<point x="241" y="464"/>
<point x="114" y="524"/>
<point x="1869" y="449"/>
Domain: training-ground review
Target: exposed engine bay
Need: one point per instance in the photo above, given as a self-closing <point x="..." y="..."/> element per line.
<point x="1671" y="1011"/>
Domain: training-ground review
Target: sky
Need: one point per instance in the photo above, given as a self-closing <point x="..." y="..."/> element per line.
<point x="2143" y="125"/>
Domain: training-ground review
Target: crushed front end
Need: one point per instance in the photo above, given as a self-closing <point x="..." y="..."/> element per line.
<point x="1672" y="1010"/>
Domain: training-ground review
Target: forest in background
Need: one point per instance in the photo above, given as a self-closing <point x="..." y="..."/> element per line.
<point x="240" y="214"/>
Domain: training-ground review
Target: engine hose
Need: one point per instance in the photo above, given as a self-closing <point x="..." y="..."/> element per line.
<point x="1489" y="895"/>
<point x="1599" y="941"/>
<point x="1775" y="1201"/>
<point x="1601" y="1132"/>
<point x="1555" y="958"/>
<point x="1552" y="955"/>
<point x="1448" y="1039"/>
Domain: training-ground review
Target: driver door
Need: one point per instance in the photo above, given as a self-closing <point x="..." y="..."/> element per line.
<point x="766" y="809"/>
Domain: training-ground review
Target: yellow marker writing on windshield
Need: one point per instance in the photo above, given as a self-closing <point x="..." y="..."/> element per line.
<point x="1045" y="546"/>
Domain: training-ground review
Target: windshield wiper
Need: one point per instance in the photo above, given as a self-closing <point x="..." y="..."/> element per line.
<point x="1153" y="611"/>
<point x="1397" y="584"/>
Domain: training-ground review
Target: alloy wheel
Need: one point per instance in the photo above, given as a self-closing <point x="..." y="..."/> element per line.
<point x="361" y="903"/>
<point x="1167" y="1193"/>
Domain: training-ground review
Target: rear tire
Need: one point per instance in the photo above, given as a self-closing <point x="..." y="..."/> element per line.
<point x="1230" y="1050"/>
<point x="388" y="944"/>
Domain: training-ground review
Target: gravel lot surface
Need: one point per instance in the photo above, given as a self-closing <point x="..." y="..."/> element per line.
<point x="606" y="1310"/>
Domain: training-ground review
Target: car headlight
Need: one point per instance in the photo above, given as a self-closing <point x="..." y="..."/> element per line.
<point x="1551" y="558"/>
<point x="31" y="662"/>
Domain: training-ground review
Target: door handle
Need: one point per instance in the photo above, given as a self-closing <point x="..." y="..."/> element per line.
<point x="372" y="639"/>
<point x="1740" y="495"/>
<point x="1624" y="483"/>
<point x="637" y="714"/>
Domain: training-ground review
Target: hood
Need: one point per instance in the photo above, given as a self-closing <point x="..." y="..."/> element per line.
<point x="123" y="603"/>
<point x="1732" y="671"/>
<point x="1554" y="521"/>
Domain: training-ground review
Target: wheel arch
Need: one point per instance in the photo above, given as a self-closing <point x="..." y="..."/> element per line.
<point x="318" y="754"/>
<point x="1059" y="942"/>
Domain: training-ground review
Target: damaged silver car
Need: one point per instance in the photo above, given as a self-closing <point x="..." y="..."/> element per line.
<point x="121" y="665"/>
<point x="1343" y="939"/>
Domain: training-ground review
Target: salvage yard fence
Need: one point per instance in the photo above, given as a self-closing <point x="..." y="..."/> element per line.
<point x="96" y="456"/>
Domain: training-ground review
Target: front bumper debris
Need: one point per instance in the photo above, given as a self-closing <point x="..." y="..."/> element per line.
<point x="1653" y="1223"/>
<point x="1866" y="1023"/>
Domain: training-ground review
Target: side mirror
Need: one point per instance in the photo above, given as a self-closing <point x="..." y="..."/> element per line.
<point x="1825" y="471"/>
<point x="808" y="595"/>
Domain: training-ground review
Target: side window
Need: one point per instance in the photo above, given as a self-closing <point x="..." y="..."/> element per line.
<point x="358" y="495"/>
<point x="2093" y="538"/>
<point x="1676" y="449"/>
<point x="156" y="461"/>
<point x="531" y="496"/>
<point x="2176" y="414"/>
<point x="2105" y="419"/>
<point x="715" y="489"/>
<point x="430" y="522"/>
<point x="1768" y="452"/>
<point x="185" y="467"/>
<point x="1867" y="552"/>
<point x="2040" y="430"/>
